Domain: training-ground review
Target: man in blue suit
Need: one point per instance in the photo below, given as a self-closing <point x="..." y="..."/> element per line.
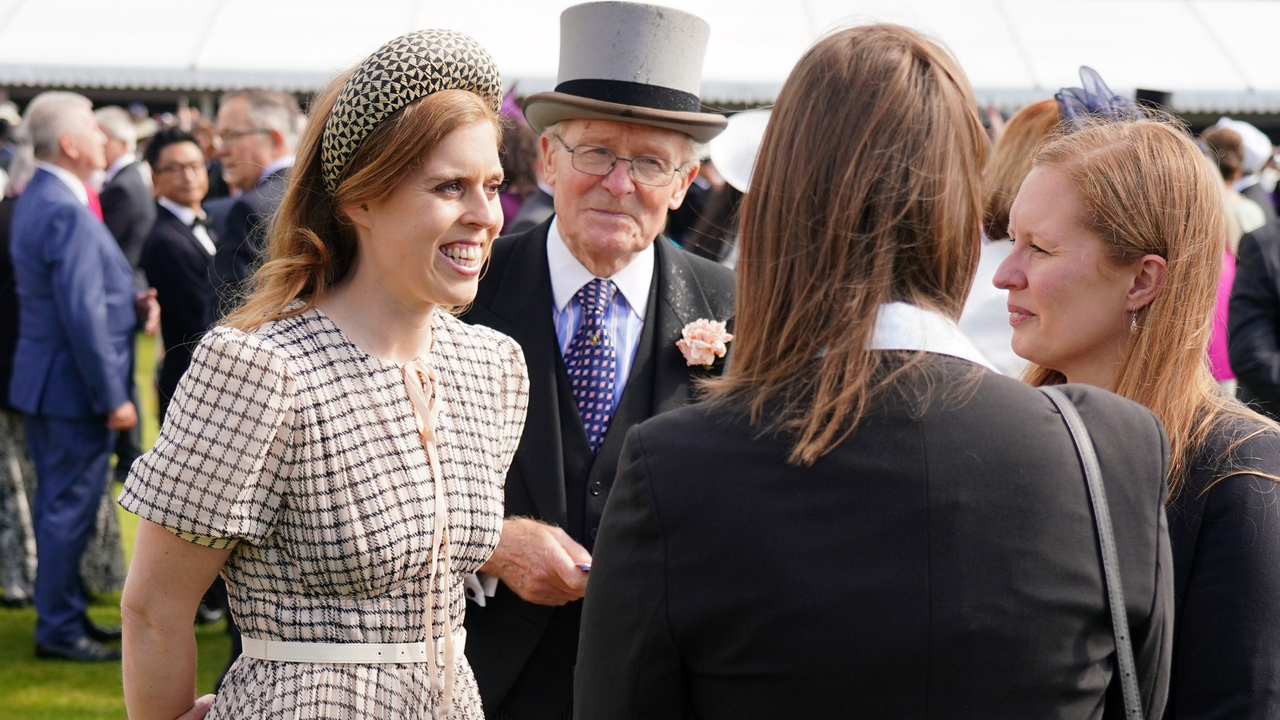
<point x="78" y="311"/>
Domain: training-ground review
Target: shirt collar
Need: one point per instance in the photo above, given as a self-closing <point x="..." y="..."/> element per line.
<point x="568" y="275"/>
<point x="285" y="161"/>
<point x="75" y="184"/>
<point x="183" y="213"/>
<point x="902" y="326"/>
<point x="121" y="163"/>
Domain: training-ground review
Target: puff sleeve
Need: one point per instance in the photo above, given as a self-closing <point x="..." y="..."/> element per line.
<point x="217" y="473"/>
<point x="514" y="402"/>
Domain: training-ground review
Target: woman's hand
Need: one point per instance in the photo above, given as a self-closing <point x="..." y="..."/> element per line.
<point x="199" y="710"/>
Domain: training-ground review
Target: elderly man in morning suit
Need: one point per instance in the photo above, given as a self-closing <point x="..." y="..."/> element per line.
<point x="78" y="312"/>
<point x="598" y="300"/>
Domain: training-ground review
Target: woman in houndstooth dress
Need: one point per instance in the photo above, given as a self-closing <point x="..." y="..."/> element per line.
<point x="337" y="450"/>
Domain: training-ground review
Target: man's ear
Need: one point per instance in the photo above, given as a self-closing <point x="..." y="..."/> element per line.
<point x="685" y="179"/>
<point x="1148" y="280"/>
<point x="278" y="143"/>
<point x="68" y="146"/>
<point x="547" y="161"/>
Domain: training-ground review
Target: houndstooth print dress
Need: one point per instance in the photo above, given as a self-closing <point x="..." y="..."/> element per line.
<point x="302" y="452"/>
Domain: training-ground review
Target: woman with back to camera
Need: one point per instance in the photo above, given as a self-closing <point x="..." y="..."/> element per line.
<point x="864" y="520"/>
<point x="984" y="318"/>
<point x="337" y="449"/>
<point x="1119" y="234"/>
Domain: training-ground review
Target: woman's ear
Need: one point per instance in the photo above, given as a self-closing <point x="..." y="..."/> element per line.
<point x="358" y="214"/>
<point x="1147" y="281"/>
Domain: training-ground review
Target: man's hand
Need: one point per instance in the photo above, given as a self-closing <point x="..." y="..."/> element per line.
<point x="538" y="562"/>
<point x="148" y="311"/>
<point x="123" y="417"/>
<point x="199" y="709"/>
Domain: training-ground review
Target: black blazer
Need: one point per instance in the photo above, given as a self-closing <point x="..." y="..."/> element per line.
<point x="181" y="271"/>
<point x="243" y="240"/>
<point x="941" y="562"/>
<point x="1226" y="562"/>
<point x="511" y="643"/>
<point x="129" y="210"/>
<point x="1253" y="320"/>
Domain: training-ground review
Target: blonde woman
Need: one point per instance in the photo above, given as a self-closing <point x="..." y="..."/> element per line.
<point x="984" y="316"/>
<point x="337" y="449"/>
<point x="1119" y="233"/>
<point x="865" y="520"/>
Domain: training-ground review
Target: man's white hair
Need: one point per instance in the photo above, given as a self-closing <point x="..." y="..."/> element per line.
<point x="51" y="115"/>
<point x="117" y="123"/>
<point x="269" y="110"/>
<point x="694" y="151"/>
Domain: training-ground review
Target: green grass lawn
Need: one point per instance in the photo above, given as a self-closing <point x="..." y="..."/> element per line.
<point x="33" y="689"/>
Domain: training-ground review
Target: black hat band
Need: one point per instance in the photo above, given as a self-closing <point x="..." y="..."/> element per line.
<point x="635" y="94"/>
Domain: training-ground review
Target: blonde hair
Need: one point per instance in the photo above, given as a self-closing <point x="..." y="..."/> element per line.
<point x="1147" y="190"/>
<point x="1010" y="162"/>
<point x="311" y="245"/>
<point x="867" y="190"/>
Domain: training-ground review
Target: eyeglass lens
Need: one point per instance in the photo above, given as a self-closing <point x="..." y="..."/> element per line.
<point x="645" y="169"/>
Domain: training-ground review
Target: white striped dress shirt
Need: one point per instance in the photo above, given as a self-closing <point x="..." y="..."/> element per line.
<point x="624" y="318"/>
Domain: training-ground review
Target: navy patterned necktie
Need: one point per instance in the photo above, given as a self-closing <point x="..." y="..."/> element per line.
<point x="592" y="361"/>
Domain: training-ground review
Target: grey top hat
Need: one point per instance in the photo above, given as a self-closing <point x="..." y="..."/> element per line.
<point x="629" y="62"/>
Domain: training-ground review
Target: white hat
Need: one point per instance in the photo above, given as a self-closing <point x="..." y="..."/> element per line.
<point x="632" y="63"/>
<point x="1257" y="146"/>
<point x="734" y="152"/>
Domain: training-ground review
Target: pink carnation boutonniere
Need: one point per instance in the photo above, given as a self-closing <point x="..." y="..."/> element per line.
<point x="703" y="342"/>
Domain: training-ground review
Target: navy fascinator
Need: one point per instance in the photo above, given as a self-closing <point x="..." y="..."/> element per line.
<point x="1095" y="100"/>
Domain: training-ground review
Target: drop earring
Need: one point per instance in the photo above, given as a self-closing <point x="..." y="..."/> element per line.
<point x="1133" y="322"/>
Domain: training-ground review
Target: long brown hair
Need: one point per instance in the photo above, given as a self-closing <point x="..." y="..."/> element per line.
<point x="867" y="190"/>
<point x="311" y="245"/>
<point x="1148" y="190"/>
<point x="1010" y="162"/>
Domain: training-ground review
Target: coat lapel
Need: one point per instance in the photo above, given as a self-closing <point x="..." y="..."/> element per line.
<point x="523" y="304"/>
<point x="682" y="300"/>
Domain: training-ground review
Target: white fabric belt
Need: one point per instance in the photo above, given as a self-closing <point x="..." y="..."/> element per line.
<point x="349" y="653"/>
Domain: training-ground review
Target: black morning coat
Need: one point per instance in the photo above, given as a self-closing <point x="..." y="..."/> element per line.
<point x="129" y="210"/>
<point x="940" y="563"/>
<point x="181" y="271"/>
<point x="523" y="654"/>
<point x="243" y="240"/>
<point x="1253" y="325"/>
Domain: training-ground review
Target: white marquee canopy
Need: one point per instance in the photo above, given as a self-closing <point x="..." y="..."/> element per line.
<point x="1214" y="55"/>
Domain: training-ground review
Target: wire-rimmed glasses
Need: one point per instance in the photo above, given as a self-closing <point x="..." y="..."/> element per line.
<point x="599" y="161"/>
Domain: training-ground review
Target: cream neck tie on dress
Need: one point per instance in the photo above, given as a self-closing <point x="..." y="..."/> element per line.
<point x="423" y="385"/>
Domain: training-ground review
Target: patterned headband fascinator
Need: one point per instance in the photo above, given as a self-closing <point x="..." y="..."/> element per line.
<point x="1095" y="100"/>
<point x="404" y="70"/>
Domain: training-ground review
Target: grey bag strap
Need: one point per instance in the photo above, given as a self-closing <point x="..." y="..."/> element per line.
<point x="1106" y="538"/>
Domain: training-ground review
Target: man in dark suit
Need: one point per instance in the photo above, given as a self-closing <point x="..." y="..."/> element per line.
<point x="129" y="211"/>
<point x="257" y="134"/>
<point x="128" y="204"/>
<point x="178" y="254"/>
<point x="79" y="310"/>
<point x="1253" y="320"/>
<point x="597" y="299"/>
